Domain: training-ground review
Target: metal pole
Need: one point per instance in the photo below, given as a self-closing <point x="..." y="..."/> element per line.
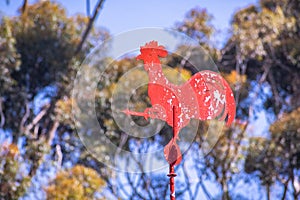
<point x="172" y="173"/>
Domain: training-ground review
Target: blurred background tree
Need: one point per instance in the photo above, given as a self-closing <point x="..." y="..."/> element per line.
<point x="38" y="65"/>
<point x="77" y="183"/>
<point x="264" y="47"/>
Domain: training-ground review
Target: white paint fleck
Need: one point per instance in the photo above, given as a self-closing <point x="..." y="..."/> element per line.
<point x="217" y="96"/>
<point x="207" y="99"/>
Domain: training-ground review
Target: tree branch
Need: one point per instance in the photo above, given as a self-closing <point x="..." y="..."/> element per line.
<point x="285" y="188"/>
<point x="37" y="118"/>
<point x="134" y="187"/>
<point x="24" y="6"/>
<point x="2" y="117"/>
<point x="25" y="117"/>
<point x="187" y="181"/>
<point x="89" y="26"/>
<point x="275" y="92"/>
<point x="200" y="182"/>
<point x="52" y="132"/>
<point x="59" y="156"/>
<point x="204" y="189"/>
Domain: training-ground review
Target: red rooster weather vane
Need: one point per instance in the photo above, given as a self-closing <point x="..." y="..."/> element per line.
<point x="206" y="95"/>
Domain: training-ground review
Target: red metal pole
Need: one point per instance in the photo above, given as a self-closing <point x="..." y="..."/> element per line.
<point x="172" y="173"/>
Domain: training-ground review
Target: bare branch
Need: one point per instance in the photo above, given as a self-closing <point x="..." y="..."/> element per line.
<point x="36" y="131"/>
<point x="2" y="117"/>
<point x="187" y="181"/>
<point x="265" y="74"/>
<point x="52" y="132"/>
<point x="37" y="118"/>
<point x="25" y="117"/>
<point x="24" y="6"/>
<point x="124" y="138"/>
<point x="90" y="25"/>
<point x="238" y="143"/>
<point x="274" y="90"/>
<point x="143" y="176"/>
<point x="200" y="182"/>
<point x="59" y="156"/>
<point x="134" y="187"/>
<point x="285" y="188"/>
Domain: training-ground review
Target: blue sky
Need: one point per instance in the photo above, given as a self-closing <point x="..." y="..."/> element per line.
<point x="119" y="16"/>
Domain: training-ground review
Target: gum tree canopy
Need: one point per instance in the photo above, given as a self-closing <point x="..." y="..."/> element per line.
<point x="37" y="65"/>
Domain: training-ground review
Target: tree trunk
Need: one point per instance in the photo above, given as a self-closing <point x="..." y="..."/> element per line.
<point x="285" y="189"/>
<point x="268" y="192"/>
<point x="225" y="195"/>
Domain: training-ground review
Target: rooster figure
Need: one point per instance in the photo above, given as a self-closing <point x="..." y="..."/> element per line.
<point x="206" y="95"/>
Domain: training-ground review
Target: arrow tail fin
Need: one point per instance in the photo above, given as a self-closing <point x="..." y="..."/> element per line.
<point x="172" y="153"/>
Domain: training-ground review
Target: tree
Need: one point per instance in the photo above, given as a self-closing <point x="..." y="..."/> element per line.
<point x="263" y="42"/>
<point x="224" y="160"/>
<point x="197" y="25"/>
<point x="37" y="65"/>
<point x="13" y="181"/>
<point x="264" y="47"/>
<point x="277" y="158"/>
<point x="77" y="183"/>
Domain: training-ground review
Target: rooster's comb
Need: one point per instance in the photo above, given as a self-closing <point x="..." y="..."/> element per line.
<point x="152" y="45"/>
